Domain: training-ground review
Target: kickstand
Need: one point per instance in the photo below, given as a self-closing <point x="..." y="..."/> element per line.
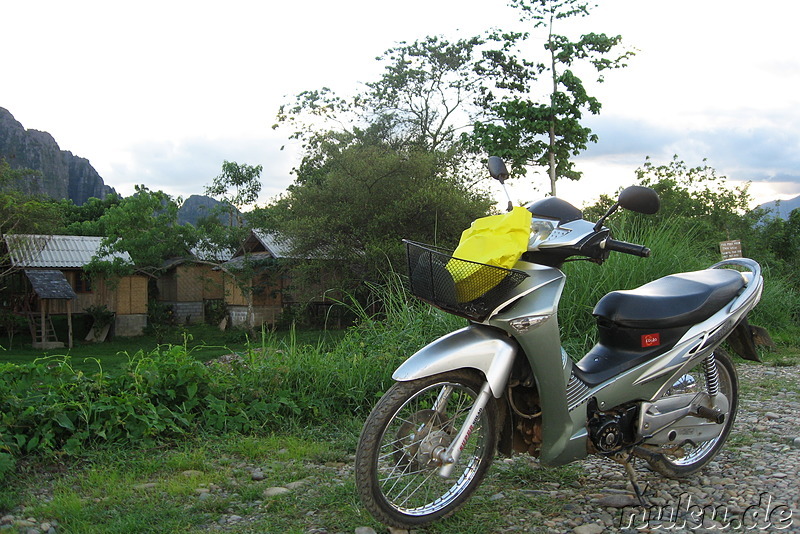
<point x="628" y="464"/>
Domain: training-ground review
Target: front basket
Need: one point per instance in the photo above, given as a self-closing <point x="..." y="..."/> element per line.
<point x="462" y="287"/>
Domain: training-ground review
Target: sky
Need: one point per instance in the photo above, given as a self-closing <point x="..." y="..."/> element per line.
<point x="162" y="92"/>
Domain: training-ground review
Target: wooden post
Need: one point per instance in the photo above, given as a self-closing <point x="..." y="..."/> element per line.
<point x="69" y="321"/>
<point x="43" y="304"/>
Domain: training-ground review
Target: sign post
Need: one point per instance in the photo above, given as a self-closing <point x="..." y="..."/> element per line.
<point x="731" y="249"/>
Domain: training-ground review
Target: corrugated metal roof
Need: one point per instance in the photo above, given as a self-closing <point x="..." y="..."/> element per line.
<point x="206" y="252"/>
<point x="253" y="259"/>
<point x="54" y="251"/>
<point x="276" y="245"/>
<point x="281" y="246"/>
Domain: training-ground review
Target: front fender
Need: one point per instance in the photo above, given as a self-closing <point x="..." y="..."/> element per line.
<point x="484" y="348"/>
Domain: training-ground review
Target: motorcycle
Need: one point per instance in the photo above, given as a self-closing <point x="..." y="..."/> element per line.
<point x="655" y="386"/>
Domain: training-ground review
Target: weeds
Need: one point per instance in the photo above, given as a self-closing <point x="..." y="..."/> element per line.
<point x="49" y="406"/>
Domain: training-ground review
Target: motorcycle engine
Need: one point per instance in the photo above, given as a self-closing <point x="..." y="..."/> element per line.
<point x="612" y="430"/>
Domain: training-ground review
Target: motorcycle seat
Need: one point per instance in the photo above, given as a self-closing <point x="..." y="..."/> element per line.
<point x="676" y="300"/>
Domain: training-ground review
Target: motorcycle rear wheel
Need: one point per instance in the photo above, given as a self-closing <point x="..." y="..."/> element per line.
<point x="696" y="456"/>
<point x="396" y="463"/>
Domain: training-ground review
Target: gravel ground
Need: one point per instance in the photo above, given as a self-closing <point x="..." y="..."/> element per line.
<point x="751" y="486"/>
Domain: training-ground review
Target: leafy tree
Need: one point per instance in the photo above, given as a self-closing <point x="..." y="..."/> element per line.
<point x="366" y="197"/>
<point x="145" y="225"/>
<point x="428" y="92"/>
<point x="386" y="164"/>
<point x="695" y="200"/>
<point x="699" y="197"/>
<point x="529" y="132"/>
<point x="21" y="213"/>
<point x="429" y="88"/>
<point x="85" y="219"/>
<point x="776" y="243"/>
<point x="237" y="186"/>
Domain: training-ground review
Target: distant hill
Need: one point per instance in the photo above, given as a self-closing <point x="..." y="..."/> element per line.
<point x="782" y="208"/>
<point x="63" y="175"/>
<point x="196" y="207"/>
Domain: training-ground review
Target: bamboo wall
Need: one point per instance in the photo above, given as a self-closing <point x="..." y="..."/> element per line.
<point x="191" y="283"/>
<point x="127" y="297"/>
<point x="267" y="292"/>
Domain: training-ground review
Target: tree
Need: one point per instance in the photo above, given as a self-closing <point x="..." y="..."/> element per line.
<point x="85" y="219"/>
<point x="237" y="186"/>
<point x="145" y="225"/>
<point x="428" y="88"/>
<point x="528" y="132"/>
<point x="428" y="93"/>
<point x="388" y="163"/>
<point x="23" y="214"/>
<point x="698" y="197"/>
<point x="367" y="197"/>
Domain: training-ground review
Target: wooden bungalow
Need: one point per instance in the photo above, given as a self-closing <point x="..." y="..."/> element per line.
<point x="189" y="283"/>
<point x="44" y="270"/>
<point x="263" y="287"/>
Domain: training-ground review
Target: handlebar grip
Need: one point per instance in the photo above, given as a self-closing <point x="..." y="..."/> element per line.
<point x="627" y="248"/>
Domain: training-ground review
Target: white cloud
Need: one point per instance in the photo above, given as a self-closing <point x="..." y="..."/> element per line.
<point x="163" y="92"/>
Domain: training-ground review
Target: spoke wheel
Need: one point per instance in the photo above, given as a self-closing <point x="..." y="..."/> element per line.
<point x="399" y="452"/>
<point x="693" y="457"/>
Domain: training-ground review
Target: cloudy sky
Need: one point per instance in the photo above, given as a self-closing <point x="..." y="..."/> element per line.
<point x="161" y="92"/>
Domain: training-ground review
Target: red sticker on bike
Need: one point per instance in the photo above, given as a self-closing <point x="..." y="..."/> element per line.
<point x="651" y="340"/>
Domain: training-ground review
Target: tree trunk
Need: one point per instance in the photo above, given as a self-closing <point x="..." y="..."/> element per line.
<point x="552" y="145"/>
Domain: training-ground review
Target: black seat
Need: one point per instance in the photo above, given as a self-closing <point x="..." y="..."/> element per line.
<point x="676" y="300"/>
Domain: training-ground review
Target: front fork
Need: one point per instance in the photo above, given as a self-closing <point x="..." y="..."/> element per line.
<point x="449" y="457"/>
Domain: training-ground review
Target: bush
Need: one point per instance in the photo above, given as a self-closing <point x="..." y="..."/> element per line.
<point x="215" y="311"/>
<point x="48" y="406"/>
<point x="12" y="324"/>
<point x="160" y="320"/>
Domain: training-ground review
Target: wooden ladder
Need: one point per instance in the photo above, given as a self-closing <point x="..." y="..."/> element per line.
<point x="39" y="335"/>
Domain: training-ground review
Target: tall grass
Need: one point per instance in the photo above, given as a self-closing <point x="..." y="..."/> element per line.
<point x="278" y="384"/>
<point x="49" y="405"/>
<point x="672" y="250"/>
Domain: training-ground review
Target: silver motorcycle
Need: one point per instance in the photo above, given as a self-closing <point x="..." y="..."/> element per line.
<point x="655" y="386"/>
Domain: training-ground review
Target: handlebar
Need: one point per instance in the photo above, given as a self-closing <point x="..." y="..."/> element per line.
<point x="627" y="248"/>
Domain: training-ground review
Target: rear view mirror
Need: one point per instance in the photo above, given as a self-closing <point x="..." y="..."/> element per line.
<point x="639" y="199"/>
<point x="497" y="168"/>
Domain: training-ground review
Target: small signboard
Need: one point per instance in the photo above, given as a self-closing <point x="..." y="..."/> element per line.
<point x="731" y="249"/>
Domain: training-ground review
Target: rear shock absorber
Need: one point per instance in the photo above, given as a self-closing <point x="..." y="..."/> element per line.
<point x="712" y="376"/>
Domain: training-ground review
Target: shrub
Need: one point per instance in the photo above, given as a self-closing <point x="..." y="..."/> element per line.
<point x="12" y="324"/>
<point x="48" y="406"/>
<point x="215" y="311"/>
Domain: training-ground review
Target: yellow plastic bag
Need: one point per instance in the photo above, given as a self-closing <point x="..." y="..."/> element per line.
<point x="497" y="240"/>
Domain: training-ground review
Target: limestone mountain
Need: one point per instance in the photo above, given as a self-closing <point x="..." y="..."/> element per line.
<point x="782" y="208"/>
<point x="63" y="174"/>
<point x="197" y="207"/>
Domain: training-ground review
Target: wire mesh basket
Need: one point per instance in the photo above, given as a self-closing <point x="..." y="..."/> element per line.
<point x="462" y="287"/>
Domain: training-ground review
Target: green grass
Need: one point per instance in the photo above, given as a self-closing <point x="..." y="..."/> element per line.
<point x="205" y="342"/>
<point x="103" y="490"/>
<point x="333" y="378"/>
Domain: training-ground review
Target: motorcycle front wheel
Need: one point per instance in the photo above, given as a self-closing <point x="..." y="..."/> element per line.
<point x="397" y="460"/>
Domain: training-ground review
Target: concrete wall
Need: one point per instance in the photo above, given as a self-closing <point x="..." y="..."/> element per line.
<point x="130" y="325"/>
<point x="193" y="311"/>
<point x="261" y="315"/>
